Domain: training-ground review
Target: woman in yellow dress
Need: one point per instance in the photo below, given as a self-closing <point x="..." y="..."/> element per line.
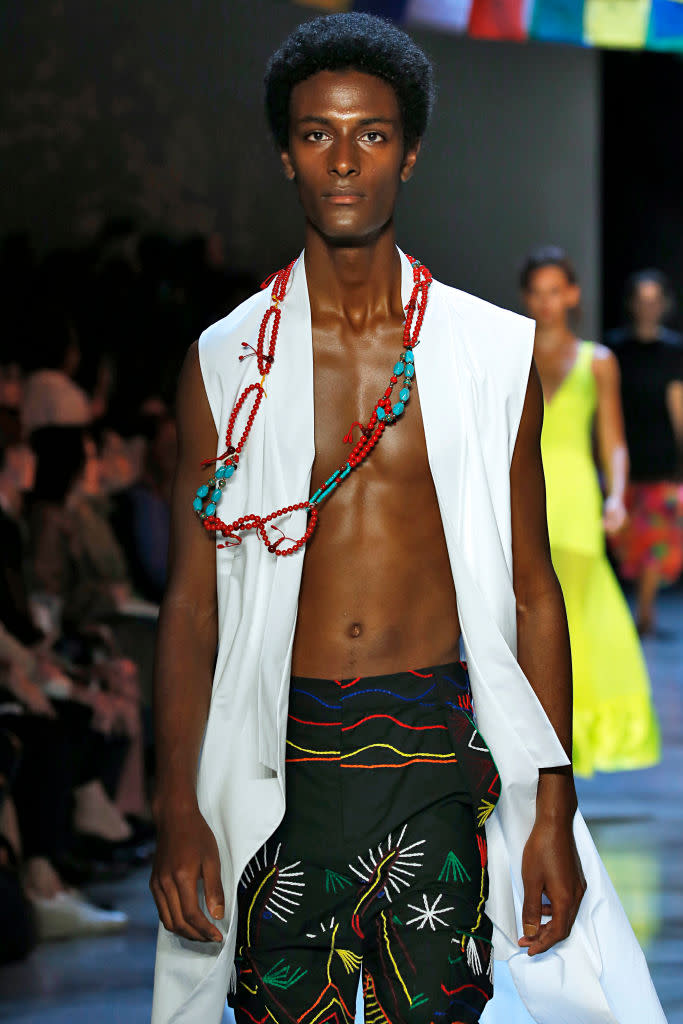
<point x="615" y="726"/>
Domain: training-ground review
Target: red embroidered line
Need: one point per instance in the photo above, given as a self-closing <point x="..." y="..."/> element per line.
<point x="304" y="722"/>
<point x="456" y="990"/>
<point x="255" y="1019"/>
<point x="416" y="760"/>
<point x="416" y="728"/>
<point x="352" y="683"/>
<point x="430" y="675"/>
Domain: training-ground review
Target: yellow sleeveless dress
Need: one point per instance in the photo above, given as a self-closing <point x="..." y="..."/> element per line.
<point x="615" y="726"/>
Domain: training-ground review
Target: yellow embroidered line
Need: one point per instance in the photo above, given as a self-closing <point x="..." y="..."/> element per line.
<point x="378" y="879"/>
<point x="398" y="973"/>
<point x="388" y="746"/>
<point x="252" y="990"/>
<point x="307" y="750"/>
<point x="256" y="895"/>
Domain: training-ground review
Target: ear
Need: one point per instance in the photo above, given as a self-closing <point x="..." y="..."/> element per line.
<point x="409" y="160"/>
<point x="574" y="296"/>
<point x="290" y="173"/>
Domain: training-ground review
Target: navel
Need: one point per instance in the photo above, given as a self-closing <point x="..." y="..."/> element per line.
<point x="355" y="629"/>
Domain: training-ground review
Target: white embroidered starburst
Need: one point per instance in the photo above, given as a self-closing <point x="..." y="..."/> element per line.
<point x="396" y="870"/>
<point x="429" y="915"/>
<point x="287" y="889"/>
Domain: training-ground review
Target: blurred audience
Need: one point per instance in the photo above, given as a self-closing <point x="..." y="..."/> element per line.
<point x="93" y="340"/>
<point x="649" y="548"/>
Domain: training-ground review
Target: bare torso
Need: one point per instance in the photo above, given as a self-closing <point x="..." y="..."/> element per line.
<point x="377" y="593"/>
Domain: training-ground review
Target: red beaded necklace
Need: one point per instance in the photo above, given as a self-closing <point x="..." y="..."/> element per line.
<point x="384" y="414"/>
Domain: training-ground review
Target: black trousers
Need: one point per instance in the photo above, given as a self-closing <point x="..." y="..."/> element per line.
<point x="379" y="865"/>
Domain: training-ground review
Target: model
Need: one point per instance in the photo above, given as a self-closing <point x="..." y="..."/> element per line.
<point x="374" y="445"/>
<point x="614" y="721"/>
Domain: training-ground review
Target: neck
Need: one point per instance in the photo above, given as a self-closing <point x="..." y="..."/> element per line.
<point x="550" y="338"/>
<point x="646" y="332"/>
<point x="357" y="283"/>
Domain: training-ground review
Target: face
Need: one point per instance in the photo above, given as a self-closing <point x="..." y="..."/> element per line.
<point x="116" y="468"/>
<point x="347" y="154"/>
<point x="21" y="465"/>
<point x="550" y="296"/>
<point x="648" y="304"/>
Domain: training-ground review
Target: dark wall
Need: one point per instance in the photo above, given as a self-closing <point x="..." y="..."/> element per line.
<point x="153" y="109"/>
<point x="643" y="171"/>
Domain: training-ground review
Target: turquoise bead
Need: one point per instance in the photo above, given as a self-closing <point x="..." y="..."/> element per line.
<point x="197" y="504"/>
<point x="210" y="509"/>
<point x="404" y="394"/>
<point x="380" y="412"/>
<point x="398" y="369"/>
<point x="398" y="408"/>
<point x="220" y="473"/>
<point x="410" y="371"/>
<point x="202" y="491"/>
<point x="216" y="496"/>
<point x="408" y="356"/>
<point x="229" y="470"/>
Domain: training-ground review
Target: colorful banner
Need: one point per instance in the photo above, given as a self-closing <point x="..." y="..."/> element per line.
<point x="498" y="19"/>
<point x="616" y="23"/>
<point x="558" y="21"/>
<point x="449" y="14"/>
<point x="620" y="24"/>
<point x="666" y="25"/>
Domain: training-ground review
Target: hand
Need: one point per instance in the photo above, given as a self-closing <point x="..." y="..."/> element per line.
<point x="550" y="868"/>
<point x="29" y="693"/>
<point x="614" y="514"/>
<point x="120" y="675"/>
<point x="187" y="851"/>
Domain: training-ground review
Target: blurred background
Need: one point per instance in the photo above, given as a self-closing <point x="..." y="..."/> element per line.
<point x="141" y="199"/>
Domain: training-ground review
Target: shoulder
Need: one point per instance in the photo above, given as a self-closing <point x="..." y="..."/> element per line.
<point x="498" y="340"/>
<point x="604" y="363"/>
<point x="480" y="314"/>
<point x="617" y="336"/>
<point x="231" y="328"/>
<point x="672" y="338"/>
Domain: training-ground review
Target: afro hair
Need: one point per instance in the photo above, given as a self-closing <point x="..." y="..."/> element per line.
<point x="359" y="42"/>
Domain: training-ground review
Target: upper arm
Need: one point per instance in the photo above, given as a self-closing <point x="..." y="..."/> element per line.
<point x="610" y="419"/>
<point x="192" y="549"/>
<point x="532" y="566"/>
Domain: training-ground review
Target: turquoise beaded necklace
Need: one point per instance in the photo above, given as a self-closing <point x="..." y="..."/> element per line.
<point x="385" y="412"/>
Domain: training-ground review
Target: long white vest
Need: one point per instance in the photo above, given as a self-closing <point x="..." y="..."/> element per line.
<point x="472" y="366"/>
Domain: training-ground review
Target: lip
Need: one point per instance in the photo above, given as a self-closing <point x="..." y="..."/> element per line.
<point x="343" y="198"/>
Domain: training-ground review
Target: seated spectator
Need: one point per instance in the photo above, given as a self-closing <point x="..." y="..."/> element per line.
<point x="76" y="556"/>
<point x="54" y="763"/>
<point x="142" y="512"/>
<point x="109" y="686"/>
<point x="51" y="395"/>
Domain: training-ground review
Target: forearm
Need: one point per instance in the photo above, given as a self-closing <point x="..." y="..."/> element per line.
<point x="186" y="644"/>
<point x="544" y="655"/>
<point x="617" y="471"/>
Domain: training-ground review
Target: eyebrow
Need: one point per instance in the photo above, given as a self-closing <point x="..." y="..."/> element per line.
<point x="315" y="119"/>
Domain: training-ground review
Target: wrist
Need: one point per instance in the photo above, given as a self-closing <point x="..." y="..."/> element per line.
<point x="174" y="800"/>
<point x="556" y="794"/>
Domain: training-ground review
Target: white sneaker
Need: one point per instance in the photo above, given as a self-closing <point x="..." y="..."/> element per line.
<point x="69" y="915"/>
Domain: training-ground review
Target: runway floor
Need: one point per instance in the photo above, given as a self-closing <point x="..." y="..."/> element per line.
<point x="636" y="820"/>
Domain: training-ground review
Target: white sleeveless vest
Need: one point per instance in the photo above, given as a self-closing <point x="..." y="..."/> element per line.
<point x="472" y="367"/>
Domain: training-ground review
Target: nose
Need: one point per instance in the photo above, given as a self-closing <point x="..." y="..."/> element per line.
<point x="343" y="158"/>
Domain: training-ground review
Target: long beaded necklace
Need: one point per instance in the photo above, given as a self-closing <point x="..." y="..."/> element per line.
<point x="385" y="412"/>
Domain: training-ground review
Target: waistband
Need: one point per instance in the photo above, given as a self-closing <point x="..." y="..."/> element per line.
<point x="453" y="668"/>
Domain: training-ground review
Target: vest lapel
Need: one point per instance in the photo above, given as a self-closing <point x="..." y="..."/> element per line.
<point x="289" y="449"/>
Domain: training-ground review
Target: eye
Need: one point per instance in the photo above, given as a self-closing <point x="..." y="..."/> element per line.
<point x="316" y="136"/>
<point x="374" y="136"/>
